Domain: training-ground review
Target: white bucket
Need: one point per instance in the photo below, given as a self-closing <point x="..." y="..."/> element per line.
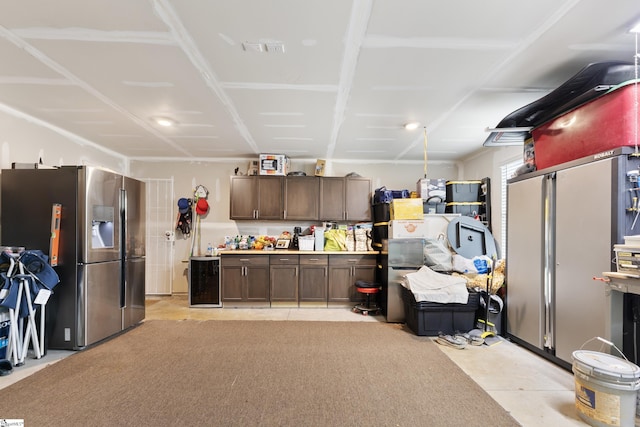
<point x="606" y="388"/>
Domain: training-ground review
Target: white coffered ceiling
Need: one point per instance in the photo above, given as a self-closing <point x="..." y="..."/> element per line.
<point x="351" y="74"/>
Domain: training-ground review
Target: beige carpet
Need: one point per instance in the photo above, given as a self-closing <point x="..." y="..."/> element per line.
<point x="250" y="373"/>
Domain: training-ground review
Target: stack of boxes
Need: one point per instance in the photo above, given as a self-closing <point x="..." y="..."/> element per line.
<point x="469" y="198"/>
<point x="463" y="197"/>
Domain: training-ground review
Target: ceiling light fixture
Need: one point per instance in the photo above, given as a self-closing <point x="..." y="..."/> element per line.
<point x="635" y="28"/>
<point x="164" y="121"/>
<point x="411" y="125"/>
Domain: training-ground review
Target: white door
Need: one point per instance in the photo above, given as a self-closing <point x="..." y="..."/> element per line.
<point x="160" y="237"/>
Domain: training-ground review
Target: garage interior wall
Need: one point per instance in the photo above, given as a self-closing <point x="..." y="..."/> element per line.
<point x="26" y="142"/>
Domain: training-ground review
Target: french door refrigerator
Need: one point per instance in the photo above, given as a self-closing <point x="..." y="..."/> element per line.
<point x="101" y="246"/>
<point x="562" y="224"/>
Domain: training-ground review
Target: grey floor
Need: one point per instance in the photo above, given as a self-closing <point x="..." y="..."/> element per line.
<point x="535" y="391"/>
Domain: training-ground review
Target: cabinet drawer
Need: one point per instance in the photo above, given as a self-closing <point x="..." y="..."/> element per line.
<point x="240" y="260"/>
<point x="314" y="259"/>
<point x="283" y="259"/>
<point x="361" y="260"/>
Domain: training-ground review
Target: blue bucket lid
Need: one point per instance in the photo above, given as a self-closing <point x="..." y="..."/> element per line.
<point x="605" y="366"/>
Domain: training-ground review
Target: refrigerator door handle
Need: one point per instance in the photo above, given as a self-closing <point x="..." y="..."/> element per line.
<point x="549" y="261"/>
<point x="123" y="246"/>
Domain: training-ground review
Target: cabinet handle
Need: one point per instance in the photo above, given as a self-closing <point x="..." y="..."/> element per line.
<point x="353" y="260"/>
<point x="314" y="259"/>
<point x="284" y="214"/>
<point x="296" y="273"/>
<point x="284" y="259"/>
<point x="244" y="259"/>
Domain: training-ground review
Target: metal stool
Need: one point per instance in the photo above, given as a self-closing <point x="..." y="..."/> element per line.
<point x="368" y="289"/>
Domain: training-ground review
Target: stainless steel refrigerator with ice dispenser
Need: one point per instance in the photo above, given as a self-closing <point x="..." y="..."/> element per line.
<point x="101" y="255"/>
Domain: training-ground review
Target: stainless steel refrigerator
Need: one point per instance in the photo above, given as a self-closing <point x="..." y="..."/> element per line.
<point x="101" y="254"/>
<point x="562" y="224"/>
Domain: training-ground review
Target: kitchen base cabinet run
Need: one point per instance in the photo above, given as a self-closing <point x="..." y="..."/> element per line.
<point x="291" y="279"/>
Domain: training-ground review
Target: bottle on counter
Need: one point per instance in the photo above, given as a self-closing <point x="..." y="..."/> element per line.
<point x="209" y="249"/>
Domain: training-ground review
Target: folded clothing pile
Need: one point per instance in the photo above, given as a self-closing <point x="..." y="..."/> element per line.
<point x="430" y="286"/>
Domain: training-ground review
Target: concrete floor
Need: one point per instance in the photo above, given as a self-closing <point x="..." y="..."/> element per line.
<point x="535" y="391"/>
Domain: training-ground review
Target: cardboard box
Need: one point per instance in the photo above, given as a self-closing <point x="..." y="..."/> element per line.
<point x="407" y="228"/>
<point x="319" y="171"/>
<point x="431" y="226"/>
<point x="254" y="165"/>
<point x="406" y="209"/>
<point x="427" y="188"/>
<point x="274" y="164"/>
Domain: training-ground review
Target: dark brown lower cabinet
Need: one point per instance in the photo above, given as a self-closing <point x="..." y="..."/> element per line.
<point x="313" y="281"/>
<point x="344" y="271"/>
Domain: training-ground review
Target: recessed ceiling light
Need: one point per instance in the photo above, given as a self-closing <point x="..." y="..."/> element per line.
<point x="164" y="121"/>
<point x="411" y="125"/>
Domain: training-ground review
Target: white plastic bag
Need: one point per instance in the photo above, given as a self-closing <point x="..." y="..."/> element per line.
<point x="437" y="254"/>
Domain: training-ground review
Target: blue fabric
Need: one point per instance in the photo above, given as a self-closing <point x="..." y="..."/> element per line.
<point x="37" y="263"/>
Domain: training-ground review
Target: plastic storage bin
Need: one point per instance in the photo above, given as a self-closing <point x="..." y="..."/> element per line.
<point x="463" y="191"/>
<point x="432" y="319"/>
<point x="465" y="209"/>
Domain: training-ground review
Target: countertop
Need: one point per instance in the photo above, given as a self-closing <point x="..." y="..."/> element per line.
<point x="292" y="252"/>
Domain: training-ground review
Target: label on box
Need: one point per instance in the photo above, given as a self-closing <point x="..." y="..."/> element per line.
<point x="406" y="228"/>
<point x="274" y="164"/>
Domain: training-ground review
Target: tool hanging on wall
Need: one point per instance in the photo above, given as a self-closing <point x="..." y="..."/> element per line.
<point x="201" y="207"/>
<point x="183" y="223"/>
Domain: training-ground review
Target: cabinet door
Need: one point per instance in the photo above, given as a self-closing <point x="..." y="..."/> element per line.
<point x="332" y="193"/>
<point x="257" y="283"/>
<point x="344" y="271"/>
<point x="269" y="197"/>
<point x="340" y="281"/>
<point x="525" y="275"/>
<point x="284" y="285"/>
<point x="313" y="280"/>
<point x="232" y="283"/>
<point x="581" y="306"/>
<point x="244" y="197"/>
<point x="358" y="199"/>
<point x="301" y="197"/>
<point x="313" y="284"/>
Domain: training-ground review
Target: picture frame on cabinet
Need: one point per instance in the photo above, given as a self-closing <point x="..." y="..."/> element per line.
<point x="282" y="243"/>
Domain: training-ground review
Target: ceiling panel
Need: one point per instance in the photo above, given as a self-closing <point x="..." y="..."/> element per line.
<point x="350" y="73"/>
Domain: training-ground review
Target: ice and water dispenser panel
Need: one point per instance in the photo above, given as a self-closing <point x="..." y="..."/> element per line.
<point x="102" y="227"/>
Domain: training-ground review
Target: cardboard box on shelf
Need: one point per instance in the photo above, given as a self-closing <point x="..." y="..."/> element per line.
<point x="406" y="209"/>
<point x="319" y="171"/>
<point x="274" y="164"/>
<point x="407" y="228"/>
<point x="254" y="165"/>
<point x="431" y="188"/>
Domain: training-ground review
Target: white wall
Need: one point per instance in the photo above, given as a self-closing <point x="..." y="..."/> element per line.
<point x="28" y="142"/>
<point x="215" y="177"/>
<point x="487" y="163"/>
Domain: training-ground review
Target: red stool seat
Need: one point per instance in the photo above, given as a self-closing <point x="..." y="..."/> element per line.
<point x="368" y="289"/>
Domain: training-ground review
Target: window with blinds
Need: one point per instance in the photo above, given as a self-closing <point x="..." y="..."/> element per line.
<point x="507" y="171"/>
